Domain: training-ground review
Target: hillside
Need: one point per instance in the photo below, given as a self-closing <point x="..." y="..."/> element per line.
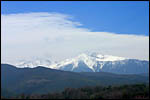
<point x="44" y="80"/>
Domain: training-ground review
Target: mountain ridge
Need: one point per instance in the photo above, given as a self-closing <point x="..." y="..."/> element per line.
<point x="97" y="63"/>
<point x="93" y="62"/>
<point x="44" y="80"/>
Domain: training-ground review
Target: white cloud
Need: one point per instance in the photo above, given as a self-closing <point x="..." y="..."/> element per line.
<point x="36" y="34"/>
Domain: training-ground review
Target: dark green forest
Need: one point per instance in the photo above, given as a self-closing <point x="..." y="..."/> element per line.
<point x="134" y="91"/>
<point x="45" y="83"/>
<point x="42" y="80"/>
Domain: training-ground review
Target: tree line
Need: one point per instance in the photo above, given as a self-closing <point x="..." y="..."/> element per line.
<point x="134" y="91"/>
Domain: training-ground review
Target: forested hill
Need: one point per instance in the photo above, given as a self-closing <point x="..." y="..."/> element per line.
<point x="45" y="80"/>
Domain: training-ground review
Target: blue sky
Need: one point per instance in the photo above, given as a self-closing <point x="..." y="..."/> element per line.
<point x="118" y="17"/>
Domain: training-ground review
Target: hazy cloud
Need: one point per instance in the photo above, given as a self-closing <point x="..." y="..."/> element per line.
<point x="37" y="34"/>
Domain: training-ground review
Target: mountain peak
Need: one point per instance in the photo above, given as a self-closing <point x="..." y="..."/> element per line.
<point x="97" y="62"/>
<point x="89" y="59"/>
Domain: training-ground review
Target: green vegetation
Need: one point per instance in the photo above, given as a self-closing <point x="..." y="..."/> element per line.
<point x="41" y="80"/>
<point x="136" y="91"/>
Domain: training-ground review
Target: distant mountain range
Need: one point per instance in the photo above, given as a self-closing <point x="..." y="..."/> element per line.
<point x="44" y="80"/>
<point x="33" y="62"/>
<point x="93" y="62"/>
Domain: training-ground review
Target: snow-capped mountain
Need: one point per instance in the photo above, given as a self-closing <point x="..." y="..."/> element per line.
<point x="91" y="62"/>
<point x="31" y="63"/>
<point x="95" y="62"/>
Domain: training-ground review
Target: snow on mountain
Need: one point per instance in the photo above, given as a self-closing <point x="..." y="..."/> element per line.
<point x="89" y="59"/>
<point x="91" y="62"/>
<point x="31" y="63"/>
<point x="95" y="62"/>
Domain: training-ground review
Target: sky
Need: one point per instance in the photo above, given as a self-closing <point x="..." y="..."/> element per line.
<point x="63" y="29"/>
